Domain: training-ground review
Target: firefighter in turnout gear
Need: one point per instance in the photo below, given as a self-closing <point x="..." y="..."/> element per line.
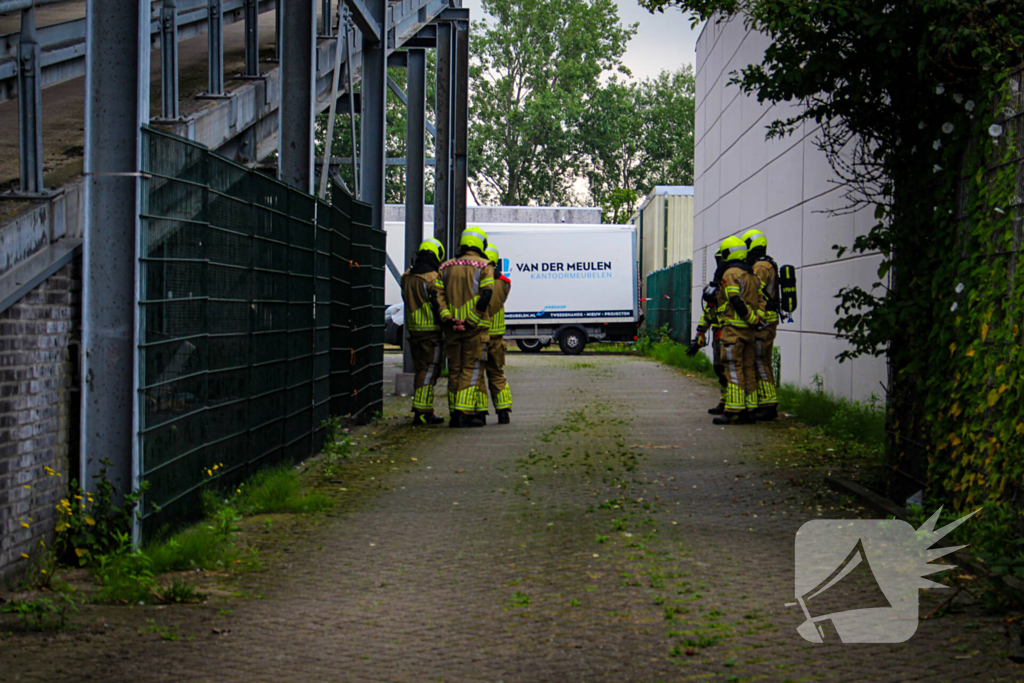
<point x="464" y="289"/>
<point x="713" y="305"/>
<point x="767" y="272"/>
<point x="741" y="318"/>
<point x="421" y="320"/>
<point x="501" y="395"/>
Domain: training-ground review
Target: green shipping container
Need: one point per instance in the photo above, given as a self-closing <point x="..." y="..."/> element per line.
<point x="669" y="293"/>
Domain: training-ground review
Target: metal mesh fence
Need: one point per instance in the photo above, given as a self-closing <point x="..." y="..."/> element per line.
<point x="669" y="293"/>
<point x="261" y="314"/>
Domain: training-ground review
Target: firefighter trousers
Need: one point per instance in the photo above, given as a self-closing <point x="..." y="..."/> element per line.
<point x="494" y="365"/>
<point x="738" y="359"/>
<point x="764" y="342"/>
<point x="717" y="363"/>
<point x="466" y="376"/>
<point x="426" y="349"/>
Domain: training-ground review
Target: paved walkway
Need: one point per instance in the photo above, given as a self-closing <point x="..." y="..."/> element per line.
<point x="611" y="533"/>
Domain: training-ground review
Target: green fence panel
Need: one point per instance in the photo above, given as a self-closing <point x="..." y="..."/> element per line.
<point x="668" y="301"/>
<point x="249" y="339"/>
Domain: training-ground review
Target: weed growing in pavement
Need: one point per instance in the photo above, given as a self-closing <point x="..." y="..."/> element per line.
<point x="126" y="574"/>
<point x="203" y="546"/>
<point x="519" y="599"/>
<point x="165" y="632"/>
<point x="42" y="614"/>
<point x="277" y="490"/>
<point x="180" y="591"/>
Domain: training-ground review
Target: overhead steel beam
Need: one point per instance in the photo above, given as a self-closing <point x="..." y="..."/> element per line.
<point x="298" y="95"/>
<point x="10" y="6"/>
<point x="454" y="14"/>
<point x="369" y="23"/>
<point x="116" y="106"/>
<point x="63" y="45"/>
<point x="391" y="161"/>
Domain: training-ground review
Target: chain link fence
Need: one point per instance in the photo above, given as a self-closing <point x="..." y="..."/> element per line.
<point x="669" y="293"/>
<point x="261" y="315"/>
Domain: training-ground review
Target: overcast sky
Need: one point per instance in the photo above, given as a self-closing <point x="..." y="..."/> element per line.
<point x="663" y="41"/>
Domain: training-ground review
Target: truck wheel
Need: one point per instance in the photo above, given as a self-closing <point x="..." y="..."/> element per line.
<point x="529" y="345"/>
<point x="572" y="341"/>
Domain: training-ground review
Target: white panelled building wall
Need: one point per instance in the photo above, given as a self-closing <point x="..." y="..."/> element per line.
<point x="784" y="188"/>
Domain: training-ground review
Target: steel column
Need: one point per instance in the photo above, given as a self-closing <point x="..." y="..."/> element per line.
<point x="350" y="34"/>
<point x="460" y="122"/>
<point x="415" y="136"/>
<point x="298" y="95"/>
<point x="116" y="105"/>
<point x="278" y="4"/>
<point x="373" y="150"/>
<point x="169" y="59"/>
<point x="215" y="45"/>
<point x="30" y="106"/>
<point x="252" y="35"/>
<point x="443" y="139"/>
<point x="325" y="10"/>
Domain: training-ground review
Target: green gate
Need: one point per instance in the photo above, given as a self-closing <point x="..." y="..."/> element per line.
<point x="668" y="301"/>
<point x="261" y="315"/>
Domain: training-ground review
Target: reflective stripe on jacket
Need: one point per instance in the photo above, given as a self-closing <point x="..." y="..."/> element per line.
<point x="458" y="288"/>
<point x="765" y="272"/>
<point x="745" y="285"/>
<point x="418" y="295"/>
<point x="496" y="309"/>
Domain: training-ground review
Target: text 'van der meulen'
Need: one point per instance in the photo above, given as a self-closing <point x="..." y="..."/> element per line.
<point x="561" y="267"/>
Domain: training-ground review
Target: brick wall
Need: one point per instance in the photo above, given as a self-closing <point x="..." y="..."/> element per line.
<point x="38" y="336"/>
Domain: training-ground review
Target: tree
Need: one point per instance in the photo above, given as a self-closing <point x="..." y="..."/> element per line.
<point x="532" y="71"/>
<point x="916" y="106"/>
<point x="637" y="135"/>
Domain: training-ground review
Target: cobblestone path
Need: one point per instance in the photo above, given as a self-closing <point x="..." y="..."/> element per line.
<point x="611" y="533"/>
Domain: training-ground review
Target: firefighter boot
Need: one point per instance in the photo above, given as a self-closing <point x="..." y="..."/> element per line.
<point x="717" y="410"/>
<point x="747" y="417"/>
<point x="767" y="413"/>
<point x="503" y="417"/>
<point x="742" y="418"/>
<point x="426" y="419"/>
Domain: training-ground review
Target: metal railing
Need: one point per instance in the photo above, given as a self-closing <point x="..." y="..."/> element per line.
<point x="668" y="300"/>
<point x="261" y="315"/>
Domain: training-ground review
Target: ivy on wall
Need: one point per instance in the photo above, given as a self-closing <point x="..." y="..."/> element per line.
<point x="917" y="105"/>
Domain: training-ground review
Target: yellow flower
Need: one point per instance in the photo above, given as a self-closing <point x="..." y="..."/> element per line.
<point x="90" y="521"/>
<point x="26" y="486"/>
<point x="42" y="571"/>
<point x="24" y="556"/>
<point x="78" y="498"/>
<point x="25" y="525"/>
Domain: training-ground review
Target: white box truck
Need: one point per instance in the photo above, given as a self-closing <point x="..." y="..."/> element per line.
<point x="571" y="284"/>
